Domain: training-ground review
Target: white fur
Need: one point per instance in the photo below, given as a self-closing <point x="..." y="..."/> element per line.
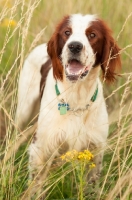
<point x="29" y="86"/>
<point x="79" y="24"/>
<point x="77" y="128"/>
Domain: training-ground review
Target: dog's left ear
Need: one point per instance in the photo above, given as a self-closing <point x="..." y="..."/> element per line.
<point x="110" y="60"/>
<point x="52" y="49"/>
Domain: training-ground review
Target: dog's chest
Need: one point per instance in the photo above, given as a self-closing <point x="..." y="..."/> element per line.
<point x="74" y="128"/>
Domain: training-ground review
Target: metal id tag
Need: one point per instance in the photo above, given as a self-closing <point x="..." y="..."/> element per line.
<point x="63" y="110"/>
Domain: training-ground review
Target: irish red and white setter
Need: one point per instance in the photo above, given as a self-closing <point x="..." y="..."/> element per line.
<point x="60" y="82"/>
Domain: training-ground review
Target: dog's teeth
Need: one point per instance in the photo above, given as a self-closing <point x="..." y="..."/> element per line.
<point x="80" y="72"/>
<point x="67" y="70"/>
<point x="72" y="73"/>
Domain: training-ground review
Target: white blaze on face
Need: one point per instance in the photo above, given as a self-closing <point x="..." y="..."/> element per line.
<point x="79" y="23"/>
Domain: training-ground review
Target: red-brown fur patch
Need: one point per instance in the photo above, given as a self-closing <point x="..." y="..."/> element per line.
<point x="44" y="73"/>
<point x="55" y="46"/>
<point x="105" y="48"/>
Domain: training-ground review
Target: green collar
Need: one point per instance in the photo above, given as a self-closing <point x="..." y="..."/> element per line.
<point x="95" y="95"/>
<point x="92" y="99"/>
<point x="63" y="107"/>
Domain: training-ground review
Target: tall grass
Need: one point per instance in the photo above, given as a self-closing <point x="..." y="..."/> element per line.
<point x="23" y="25"/>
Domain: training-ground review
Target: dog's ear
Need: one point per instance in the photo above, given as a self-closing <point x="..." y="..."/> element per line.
<point x="110" y="60"/>
<point x="53" y="53"/>
<point x="55" y="46"/>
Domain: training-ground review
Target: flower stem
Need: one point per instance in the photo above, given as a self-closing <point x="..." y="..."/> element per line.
<point x="81" y="182"/>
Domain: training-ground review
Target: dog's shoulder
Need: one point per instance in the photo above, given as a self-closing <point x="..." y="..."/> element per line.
<point x="38" y="56"/>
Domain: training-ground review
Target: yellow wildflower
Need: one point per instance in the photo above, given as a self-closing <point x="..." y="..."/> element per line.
<point x="63" y="157"/>
<point x="75" y="155"/>
<point x="92" y="165"/>
<point x="70" y="155"/>
<point x="85" y="155"/>
<point x="9" y="22"/>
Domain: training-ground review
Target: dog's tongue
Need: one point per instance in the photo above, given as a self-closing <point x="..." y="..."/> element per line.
<point x="75" y="66"/>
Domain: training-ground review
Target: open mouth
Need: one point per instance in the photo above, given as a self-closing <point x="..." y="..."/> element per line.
<point x="76" y="70"/>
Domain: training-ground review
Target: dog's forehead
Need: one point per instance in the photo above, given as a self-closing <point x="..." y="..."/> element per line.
<point x="79" y="23"/>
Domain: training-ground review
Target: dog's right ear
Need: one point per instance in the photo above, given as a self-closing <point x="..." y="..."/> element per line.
<point x="56" y="63"/>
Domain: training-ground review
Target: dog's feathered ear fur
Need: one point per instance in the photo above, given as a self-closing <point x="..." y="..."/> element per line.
<point x="110" y="60"/>
<point x="56" y="63"/>
<point x="54" y="49"/>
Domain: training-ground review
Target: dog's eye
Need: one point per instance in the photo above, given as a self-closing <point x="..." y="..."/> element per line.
<point x="67" y="33"/>
<point x="92" y="35"/>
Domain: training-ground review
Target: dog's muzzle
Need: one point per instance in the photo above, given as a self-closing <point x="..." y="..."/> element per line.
<point x="75" y="69"/>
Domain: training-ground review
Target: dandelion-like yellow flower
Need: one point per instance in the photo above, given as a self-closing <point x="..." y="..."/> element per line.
<point x="85" y="155"/>
<point x="70" y="155"/>
<point x="75" y="155"/>
<point x="8" y="22"/>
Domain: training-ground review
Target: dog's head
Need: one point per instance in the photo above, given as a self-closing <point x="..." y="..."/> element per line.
<point x="81" y="43"/>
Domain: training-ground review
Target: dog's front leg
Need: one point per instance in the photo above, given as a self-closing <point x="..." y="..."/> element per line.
<point x="39" y="167"/>
<point x="94" y="175"/>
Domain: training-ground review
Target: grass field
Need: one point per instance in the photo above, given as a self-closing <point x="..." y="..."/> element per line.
<point x="23" y="25"/>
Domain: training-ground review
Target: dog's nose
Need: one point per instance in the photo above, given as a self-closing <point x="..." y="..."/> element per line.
<point x="75" y="47"/>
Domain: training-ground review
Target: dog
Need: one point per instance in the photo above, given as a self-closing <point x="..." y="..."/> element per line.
<point x="60" y="84"/>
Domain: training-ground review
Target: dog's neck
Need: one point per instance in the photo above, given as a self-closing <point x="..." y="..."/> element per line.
<point x="79" y="94"/>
